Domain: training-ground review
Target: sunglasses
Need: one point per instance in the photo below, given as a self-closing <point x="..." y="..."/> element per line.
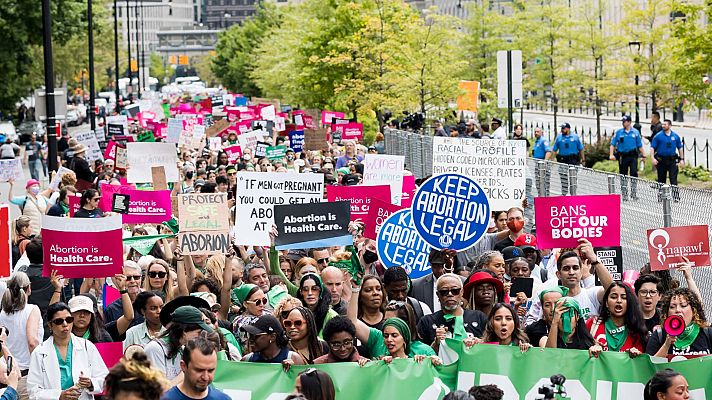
<point x="96" y="199"/>
<point x="60" y="321"/>
<point x="157" y="274"/>
<point x="285" y="314"/>
<point x="134" y="277"/>
<point x="323" y="260"/>
<point x="258" y="302"/>
<point x="447" y="292"/>
<point x="297" y="324"/>
<point x="307" y="289"/>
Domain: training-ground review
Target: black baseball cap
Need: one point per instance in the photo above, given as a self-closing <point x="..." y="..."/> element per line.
<point x="497" y="121"/>
<point x="180" y="301"/>
<point x="265" y="324"/>
<point x="565" y="125"/>
<point x="511" y="252"/>
<point x="626" y="118"/>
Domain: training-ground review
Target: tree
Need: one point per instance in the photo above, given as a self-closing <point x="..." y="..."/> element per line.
<point x="160" y="70"/>
<point x="235" y="52"/>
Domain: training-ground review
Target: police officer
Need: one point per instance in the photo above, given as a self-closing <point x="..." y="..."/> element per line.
<point x="667" y="147"/>
<point x="569" y="151"/>
<point x="542" y="151"/>
<point x="625" y="147"/>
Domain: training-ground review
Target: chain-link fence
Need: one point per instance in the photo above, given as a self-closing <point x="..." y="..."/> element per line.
<point x="649" y="204"/>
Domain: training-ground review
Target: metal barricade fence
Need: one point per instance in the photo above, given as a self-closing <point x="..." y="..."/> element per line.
<point x="649" y="205"/>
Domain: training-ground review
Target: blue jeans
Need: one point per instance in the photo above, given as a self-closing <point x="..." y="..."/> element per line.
<point x="35" y="168"/>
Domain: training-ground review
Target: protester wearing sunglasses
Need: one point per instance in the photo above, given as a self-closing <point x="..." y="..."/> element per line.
<point x="269" y="344"/>
<point x="65" y="366"/>
<point x="301" y="331"/>
<point x="89" y="205"/>
<point x="452" y="321"/>
<point x="316" y="297"/>
<point x="158" y="279"/>
<point x="252" y="301"/>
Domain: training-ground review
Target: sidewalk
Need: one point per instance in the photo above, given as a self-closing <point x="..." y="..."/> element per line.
<point x="609" y="118"/>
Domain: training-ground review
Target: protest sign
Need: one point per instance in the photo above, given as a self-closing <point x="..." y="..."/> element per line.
<point x="88" y="139"/>
<point x="259" y="192"/>
<point x="198" y="136"/>
<point x="408" y="190"/>
<point x="203" y="212"/>
<point x="82" y="247"/>
<point x="280" y="124"/>
<point x="399" y="244"/>
<point x="562" y="220"/>
<point x="74" y="202"/>
<point x="276" y="152"/>
<point x="360" y="197"/>
<point x="378" y="212"/>
<point x="111" y="352"/>
<point x="217" y="128"/>
<point x="350" y="131"/>
<point x="175" y="127"/>
<point x="314" y="139"/>
<point x="667" y="246"/>
<point x="122" y="158"/>
<point x="450" y="212"/>
<point x="117" y="124"/>
<point x="120" y="203"/>
<point x="5" y="241"/>
<point x="11" y="169"/>
<point x="215" y="144"/>
<point x="145" y="136"/>
<point x="107" y="195"/>
<point x="143" y="156"/>
<point x="382" y="169"/>
<point x="54" y="184"/>
<point x="261" y="149"/>
<point x="611" y="258"/>
<point x="296" y="141"/>
<point x="233" y="152"/>
<point x="327" y="116"/>
<point x="298" y="119"/>
<point x="147" y="207"/>
<point x="268" y="113"/>
<point x="248" y="140"/>
<point x="498" y="166"/>
<point x="204" y="242"/>
<point x="303" y="226"/>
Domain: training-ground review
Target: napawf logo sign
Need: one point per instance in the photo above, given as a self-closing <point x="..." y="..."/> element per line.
<point x="668" y="246"/>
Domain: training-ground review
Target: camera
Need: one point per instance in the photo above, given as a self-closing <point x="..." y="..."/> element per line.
<point x="555" y="388"/>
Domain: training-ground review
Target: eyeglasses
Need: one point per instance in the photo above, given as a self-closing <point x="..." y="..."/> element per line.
<point x="297" y="324"/>
<point x="648" y="293"/>
<point x="341" y="345"/>
<point x="323" y="260"/>
<point x="447" y="292"/>
<point x="252" y="338"/>
<point x="135" y="277"/>
<point x="60" y="321"/>
<point x="157" y="274"/>
<point x="258" y="302"/>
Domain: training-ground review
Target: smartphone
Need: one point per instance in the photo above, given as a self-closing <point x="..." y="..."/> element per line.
<point x="525" y="285"/>
<point x="9" y="364"/>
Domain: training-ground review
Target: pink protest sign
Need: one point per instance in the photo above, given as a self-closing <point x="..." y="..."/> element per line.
<point x="327" y="116"/>
<point x="234" y="152"/>
<point x="378" y="213"/>
<point x="350" y="131"/>
<point x="562" y="220"/>
<point x="82" y="247"/>
<point x="244" y="126"/>
<point x="111" y="352"/>
<point x="408" y="190"/>
<point x="233" y="114"/>
<point x="107" y="195"/>
<point x="146" y="206"/>
<point x="74" y="204"/>
<point x="359" y="196"/>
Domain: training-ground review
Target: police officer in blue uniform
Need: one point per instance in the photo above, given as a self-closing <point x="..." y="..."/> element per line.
<point x="569" y="151"/>
<point x="625" y="147"/>
<point x="542" y="151"/>
<point x="667" y="147"/>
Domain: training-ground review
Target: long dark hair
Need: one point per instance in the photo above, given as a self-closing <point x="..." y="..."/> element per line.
<point x="659" y="383"/>
<point x="315" y="349"/>
<point x="581" y="334"/>
<point x="324" y="303"/>
<point x="317" y="385"/>
<point x="634" y="320"/>
<point x="174" y="333"/>
<point x="220" y="340"/>
<point x="383" y="294"/>
<point x="518" y="335"/>
<point x="87" y="196"/>
<point x="95" y="328"/>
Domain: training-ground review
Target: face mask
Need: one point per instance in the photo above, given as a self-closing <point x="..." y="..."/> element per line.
<point x="35" y="190"/>
<point x="246" y="156"/>
<point x="290" y="158"/>
<point x="516" y="225"/>
<point x="369" y="257"/>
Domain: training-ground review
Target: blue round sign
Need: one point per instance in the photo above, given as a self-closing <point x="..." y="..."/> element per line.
<point x="450" y="211"/>
<point x="399" y="244"/>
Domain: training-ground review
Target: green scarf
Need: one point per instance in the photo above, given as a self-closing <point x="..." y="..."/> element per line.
<point x="615" y="336"/>
<point x="402" y="328"/>
<point x="569" y="317"/>
<point x="557" y="289"/>
<point x="65" y="208"/>
<point x="144" y="244"/>
<point x="458" y="331"/>
<point x="687" y="337"/>
<point x="352" y="266"/>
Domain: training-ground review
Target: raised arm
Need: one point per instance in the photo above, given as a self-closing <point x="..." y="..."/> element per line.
<point x="362" y="330"/>
<point x="124" y="321"/>
<point x="226" y="286"/>
<point x="182" y="289"/>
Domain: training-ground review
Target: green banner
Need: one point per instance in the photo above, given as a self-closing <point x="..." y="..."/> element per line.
<point x="276" y="152"/>
<point x="144" y="244"/>
<point x="520" y="375"/>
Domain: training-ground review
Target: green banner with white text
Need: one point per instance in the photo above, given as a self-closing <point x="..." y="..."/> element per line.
<point x="613" y="376"/>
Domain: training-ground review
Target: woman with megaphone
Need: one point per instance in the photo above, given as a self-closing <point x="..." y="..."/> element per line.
<point x="694" y="339"/>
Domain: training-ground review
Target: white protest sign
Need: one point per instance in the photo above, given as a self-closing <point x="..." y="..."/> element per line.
<point x="144" y="155"/>
<point x="383" y="169"/>
<point x="11" y="169"/>
<point x="88" y="139"/>
<point x="175" y="126"/>
<point x="198" y="135"/>
<point x="121" y="157"/>
<point x="58" y="177"/>
<point x="498" y="166"/>
<point x="215" y="143"/>
<point x="268" y="113"/>
<point x="118" y="120"/>
<point x="248" y="140"/>
<point x="280" y="124"/>
<point x="259" y="192"/>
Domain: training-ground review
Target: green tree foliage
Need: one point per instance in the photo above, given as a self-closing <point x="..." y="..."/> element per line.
<point x="692" y="52"/>
<point x="160" y="70"/>
<point x="236" y="47"/>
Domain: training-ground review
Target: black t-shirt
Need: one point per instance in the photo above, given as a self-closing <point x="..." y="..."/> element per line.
<point x="474" y="321"/>
<point x="701" y="346"/>
<point x="84" y="213"/>
<point x="506" y="242"/>
<point x="653" y="322"/>
<point x="524" y="139"/>
<point x="536" y="331"/>
<point x="576" y="344"/>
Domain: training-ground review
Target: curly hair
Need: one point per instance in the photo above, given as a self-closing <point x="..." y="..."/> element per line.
<point x="698" y="312"/>
<point x="518" y="335"/>
<point x="211" y="283"/>
<point x="287" y="300"/>
<point x="136" y="376"/>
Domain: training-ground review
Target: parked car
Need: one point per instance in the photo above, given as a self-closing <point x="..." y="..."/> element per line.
<point x="27" y="127"/>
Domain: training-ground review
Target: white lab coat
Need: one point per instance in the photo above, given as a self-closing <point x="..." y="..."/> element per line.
<point x="43" y="380"/>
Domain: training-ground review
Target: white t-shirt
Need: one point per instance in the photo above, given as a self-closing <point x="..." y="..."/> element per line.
<point x="499" y="133"/>
<point x="587" y="300"/>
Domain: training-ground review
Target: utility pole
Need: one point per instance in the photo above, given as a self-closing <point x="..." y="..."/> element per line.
<point x="128" y="41"/>
<point x="116" y="56"/>
<point x="90" y="39"/>
<point x="49" y="86"/>
<point x="138" y="51"/>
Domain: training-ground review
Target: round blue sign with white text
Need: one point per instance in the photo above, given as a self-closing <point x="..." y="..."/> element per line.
<point x="399" y="244"/>
<point x="450" y="211"/>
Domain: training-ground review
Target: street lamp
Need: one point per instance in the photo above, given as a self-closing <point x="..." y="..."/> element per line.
<point x="635" y="49"/>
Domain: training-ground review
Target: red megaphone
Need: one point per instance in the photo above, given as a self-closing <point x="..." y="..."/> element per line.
<point x="674" y="325"/>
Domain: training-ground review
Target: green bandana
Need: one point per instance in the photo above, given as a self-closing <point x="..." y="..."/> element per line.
<point x="568" y="317"/>
<point x="557" y="289"/>
<point x="458" y="330"/>
<point x="86" y="334"/>
<point x="402" y="328"/>
<point x="352" y="266"/>
<point x="615" y="336"/>
<point x="687" y="337"/>
<point x="144" y="244"/>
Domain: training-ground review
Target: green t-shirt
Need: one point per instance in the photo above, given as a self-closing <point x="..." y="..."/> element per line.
<point x="230" y="338"/>
<point x="377" y="347"/>
<point x="65" y="368"/>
